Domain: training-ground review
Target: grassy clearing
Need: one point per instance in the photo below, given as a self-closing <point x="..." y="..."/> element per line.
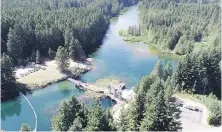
<point x="104" y="82"/>
<point x="41" y="77"/>
<point x="51" y="74"/>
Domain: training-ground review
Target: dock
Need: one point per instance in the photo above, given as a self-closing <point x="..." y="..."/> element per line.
<point x="79" y="83"/>
<point x="86" y="86"/>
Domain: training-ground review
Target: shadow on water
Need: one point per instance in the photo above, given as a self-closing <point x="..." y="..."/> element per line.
<point x="104" y="100"/>
<point x="65" y="87"/>
<point x="11" y="108"/>
<point x="12" y="104"/>
<point x="13" y="92"/>
<point x="94" y="47"/>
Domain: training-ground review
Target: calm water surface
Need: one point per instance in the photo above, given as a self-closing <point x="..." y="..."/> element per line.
<point x="116" y="58"/>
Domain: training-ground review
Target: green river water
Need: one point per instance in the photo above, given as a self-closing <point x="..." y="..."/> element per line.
<point x="114" y="58"/>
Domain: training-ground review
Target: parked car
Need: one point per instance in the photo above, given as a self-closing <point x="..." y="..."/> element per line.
<point x="190" y="107"/>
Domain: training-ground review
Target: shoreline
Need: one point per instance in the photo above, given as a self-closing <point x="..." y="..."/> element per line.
<point x="50" y="75"/>
<point x="137" y="39"/>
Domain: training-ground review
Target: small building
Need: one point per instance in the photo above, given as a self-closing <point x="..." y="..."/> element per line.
<point x="116" y="90"/>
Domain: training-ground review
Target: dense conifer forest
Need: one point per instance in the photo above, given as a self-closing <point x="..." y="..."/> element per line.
<point x="68" y="29"/>
<point x="39" y="27"/>
<point x="180" y="25"/>
<point x="33" y="30"/>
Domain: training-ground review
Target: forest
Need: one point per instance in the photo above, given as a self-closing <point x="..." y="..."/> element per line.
<point x="32" y="31"/>
<point x="61" y="29"/>
<point x="180" y="25"/>
<point x="190" y="28"/>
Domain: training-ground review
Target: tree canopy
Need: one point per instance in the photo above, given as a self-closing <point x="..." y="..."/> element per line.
<point x="179" y="25"/>
<point x="74" y="116"/>
<point x="37" y="26"/>
<point x="152" y="109"/>
<point x="32" y="30"/>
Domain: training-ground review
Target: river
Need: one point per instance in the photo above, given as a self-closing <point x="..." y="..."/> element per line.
<point x="114" y="58"/>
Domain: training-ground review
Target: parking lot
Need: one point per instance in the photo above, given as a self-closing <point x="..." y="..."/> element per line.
<point x="194" y="116"/>
<point x="190" y="111"/>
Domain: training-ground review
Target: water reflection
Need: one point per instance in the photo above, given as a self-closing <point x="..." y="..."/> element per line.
<point x="65" y="87"/>
<point x="10" y="108"/>
<point x="104" y="100"/>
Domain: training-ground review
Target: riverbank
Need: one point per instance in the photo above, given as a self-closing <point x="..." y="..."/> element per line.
<point x="35" y="76"/>
<point x="144" y="39"/>
<point x="113" y="58"/>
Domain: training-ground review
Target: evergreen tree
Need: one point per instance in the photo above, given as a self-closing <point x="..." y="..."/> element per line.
<point x="14" y="44"/>
<point x="168" y="70"/>
<point x="158" y="70"/>
<point x="123" y="124"/>
<point x="161" y="116"/>
<point x="72" y="52"/>
<point x="99" y="120"/>
<point x="132" y="124"/>
<point x="130" y="30"/>
<point x="7" y="77"/>
<point x="77" y="125"/>
<point x="67" y="115"/>
<point x="62" y="59"/>
<point x="78" y="51"/>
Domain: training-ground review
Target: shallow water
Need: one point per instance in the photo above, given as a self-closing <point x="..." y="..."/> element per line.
<point x="116" y="58"/>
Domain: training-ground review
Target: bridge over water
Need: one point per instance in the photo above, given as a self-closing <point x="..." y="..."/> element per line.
<point x="86" y="86"/>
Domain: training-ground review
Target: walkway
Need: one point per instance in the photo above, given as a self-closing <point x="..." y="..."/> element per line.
<point x="79" y="83"/>
<point x="86" y="87"/>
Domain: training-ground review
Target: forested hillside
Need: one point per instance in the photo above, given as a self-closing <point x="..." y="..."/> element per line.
<point x="32" y="30"/>
<point x="39" y="25"/>
<point x="180" y="25"/>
